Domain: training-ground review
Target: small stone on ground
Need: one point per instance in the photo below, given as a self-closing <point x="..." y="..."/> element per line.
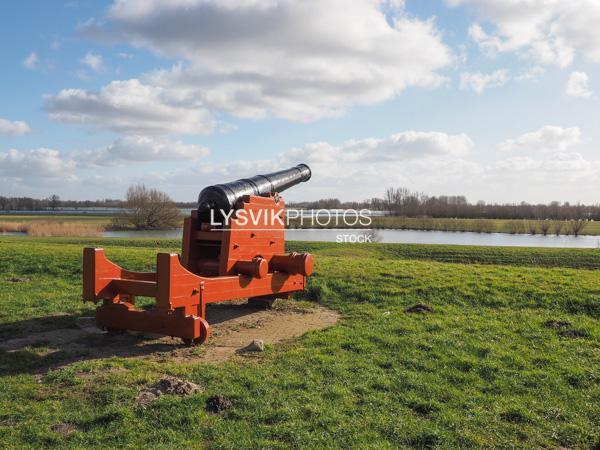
<point x="257" y="345"/>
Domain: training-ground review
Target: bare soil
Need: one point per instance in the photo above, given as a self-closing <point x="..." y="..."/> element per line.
<point x="218" y="404"/>
<point x="166" y="385"/>
<point x="419" y="308"/>
<point x="234" y="325"/>
<point x="64" y="429"/>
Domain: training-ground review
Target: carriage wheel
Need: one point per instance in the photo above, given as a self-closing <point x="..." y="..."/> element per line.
<point x="204" y="334"/>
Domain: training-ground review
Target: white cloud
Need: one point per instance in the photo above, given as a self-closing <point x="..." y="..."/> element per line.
<point x="31" y="61"/>
<point x="355" y="169"/>
<point x="531" y="74"/>
<point x="295" y="60"/>
<point x="478" y="81"/>
<point x="13" y="128"/>
<point x="577" y="86"/>
<point x="404" y="146"/>
<point x="21" y="169"/>
<point x="139" y="149"/>
<point x="93" y="61"/>
<point x="433" y="162"/>
<point x="129" y="107"/>
<point x="37" y="166"/>
<point x="548" y="139"/>
<point x="550" y="31"/>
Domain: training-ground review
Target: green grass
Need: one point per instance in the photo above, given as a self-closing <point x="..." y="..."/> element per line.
<point x="482" y="370"/>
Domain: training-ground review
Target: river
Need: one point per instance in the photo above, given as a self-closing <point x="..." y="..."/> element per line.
<point x="406" y="237"/>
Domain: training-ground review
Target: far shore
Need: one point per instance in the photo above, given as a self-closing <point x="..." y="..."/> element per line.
<point x="95" y="225"/>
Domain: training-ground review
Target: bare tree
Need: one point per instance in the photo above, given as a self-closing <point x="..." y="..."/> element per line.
<point x="577" y="226"/>
<point x="54" y="201"/>
<point x="557" y="227"/>
<point x="514" y="226"/>
<point x="545" y="227"/>
<point x="147" y="209"/>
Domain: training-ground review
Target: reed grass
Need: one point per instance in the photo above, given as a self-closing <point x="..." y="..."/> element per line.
<point x="46" y="229"/>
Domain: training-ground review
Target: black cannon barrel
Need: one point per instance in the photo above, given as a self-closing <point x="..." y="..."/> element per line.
<point x="225" y="196"/>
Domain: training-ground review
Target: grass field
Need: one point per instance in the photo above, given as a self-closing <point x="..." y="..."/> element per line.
<point x="487" y="368"/>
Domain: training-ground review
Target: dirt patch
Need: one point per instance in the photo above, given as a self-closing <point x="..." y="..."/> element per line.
<point x="166" y="385"/>
<point x="572" y="334"/>
<point x="286" y="321"/>
<point x="557" y="324"/>
<point x="64" y="429"/>
<point x="54" y="339"/>
<point x="18" y="280"/>
<point x="8" y="423"/>
<point x="419" y="308"/>
<point x="564" y="329"/>
<point x="218" y="404"/>
<point x="234" y="325"/>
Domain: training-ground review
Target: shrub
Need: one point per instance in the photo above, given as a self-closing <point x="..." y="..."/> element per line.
<point x="484" y="226"/>
<point x="514" y="226"/>
<point x="577" y="226"/>
<point x="147" y="209"/>
<point x="545" y="227"/>
<point x="557" y="227"/>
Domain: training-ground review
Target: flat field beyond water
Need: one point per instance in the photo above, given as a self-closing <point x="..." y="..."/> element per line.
<point x="508" y="357"/>
<point x="511" y="226"/>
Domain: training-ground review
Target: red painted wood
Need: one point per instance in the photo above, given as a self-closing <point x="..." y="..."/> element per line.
<point x="242" y="260"/>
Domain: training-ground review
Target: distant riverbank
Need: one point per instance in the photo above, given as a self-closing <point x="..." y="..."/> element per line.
<point x="95" y="225"/>
<point x="510" y="226"/>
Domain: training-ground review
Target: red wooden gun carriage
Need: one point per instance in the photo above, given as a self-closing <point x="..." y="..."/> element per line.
<point x="232" y="248"/>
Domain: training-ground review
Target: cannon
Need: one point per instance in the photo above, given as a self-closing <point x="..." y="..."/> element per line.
<point x="233" y="247"/>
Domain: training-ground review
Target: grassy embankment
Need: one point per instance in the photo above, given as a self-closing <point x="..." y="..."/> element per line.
<point x="74" y="225"/>
<point x="487" y="368"/>
<point x="476" y="225"/>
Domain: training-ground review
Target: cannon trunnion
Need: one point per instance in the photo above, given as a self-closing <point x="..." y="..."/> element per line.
<point x="219" y="262"/>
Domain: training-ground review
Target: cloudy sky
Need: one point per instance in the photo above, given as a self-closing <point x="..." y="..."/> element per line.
<point x="494" y="99"/>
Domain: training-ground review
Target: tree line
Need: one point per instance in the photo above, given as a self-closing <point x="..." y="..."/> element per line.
<point x="396" y="201"/>
<point x="406" y="203"/>
<point x="54" y="202"/>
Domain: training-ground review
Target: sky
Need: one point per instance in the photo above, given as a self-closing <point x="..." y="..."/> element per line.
<point x="497" y="100"/>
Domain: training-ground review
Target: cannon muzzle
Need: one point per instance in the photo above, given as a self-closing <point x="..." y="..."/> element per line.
<point x="225" y="196"/>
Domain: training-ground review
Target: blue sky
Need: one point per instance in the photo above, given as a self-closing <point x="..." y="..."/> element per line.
<point x="495" y="100"/>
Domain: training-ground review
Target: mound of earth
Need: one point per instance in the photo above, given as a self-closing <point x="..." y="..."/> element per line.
<point x="166" y="385"/>
<point x="419" y="308"/>
<point x="218" y="403"/>
<point x="557" y="324"/>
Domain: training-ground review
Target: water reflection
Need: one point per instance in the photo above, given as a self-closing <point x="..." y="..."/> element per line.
<point x="406" y="237"/>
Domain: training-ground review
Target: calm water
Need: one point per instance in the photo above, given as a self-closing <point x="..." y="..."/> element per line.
<point x="407" y="237"/>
